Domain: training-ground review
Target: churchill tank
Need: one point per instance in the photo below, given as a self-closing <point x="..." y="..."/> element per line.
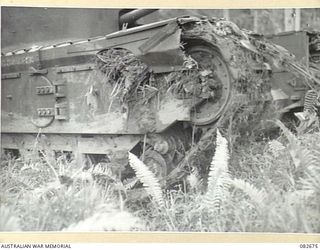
<point x="158" y="90"/>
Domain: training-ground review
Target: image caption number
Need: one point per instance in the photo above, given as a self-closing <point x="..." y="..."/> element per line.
<point x="309" y="246"/>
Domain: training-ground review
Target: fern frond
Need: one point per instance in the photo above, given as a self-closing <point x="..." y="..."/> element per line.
<point x="219" y="178"/>
<point x="219" y="161"/>
<point x="311" y="183"/>
<point x="308" y="158"/>
<point x="311" y="180"/>
<point x="102" y="170"/>
<point x="302" y="157"/>
<point x="310" y="101"/>
<point x="194" y="179"/>
<point x="275" y="147"/>
<point x="288" y="134"/>
<point x="129" y="183"/>
<point x="219" y="192"/>
<point x="147" y="178"/>
<point x="255" y="194"/>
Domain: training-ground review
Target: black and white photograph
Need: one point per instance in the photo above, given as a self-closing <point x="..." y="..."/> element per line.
<point x="160" y="120"/>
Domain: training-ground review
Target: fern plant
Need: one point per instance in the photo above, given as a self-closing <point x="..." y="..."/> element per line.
<point x="305" y="159"/>
<point x="257" y="195"/>
<point x="147" y="178"/>
<point x="219" y="178"/>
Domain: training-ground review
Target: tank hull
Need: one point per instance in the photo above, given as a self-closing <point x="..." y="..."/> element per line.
<point x="159" y="90"/>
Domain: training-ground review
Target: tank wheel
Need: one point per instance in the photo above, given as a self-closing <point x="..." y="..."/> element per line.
<point x="156" y="163"/>
<point x="210" y="109"/>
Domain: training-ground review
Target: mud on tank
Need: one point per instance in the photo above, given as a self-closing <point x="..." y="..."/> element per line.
<point x="158" y="90"/>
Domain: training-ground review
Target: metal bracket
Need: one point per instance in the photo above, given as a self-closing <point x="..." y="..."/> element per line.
<point x="61" y="111"/>
<point x="37" y="72"/>
<point x="155" y="40"/>
<point x="301" y="88"/>
<point x="60" y="89"/>
<point x="10" y="76"/>
<point x="295" y="97"/>
<point x="68" y="69"/>
<point x="162" y="52"/>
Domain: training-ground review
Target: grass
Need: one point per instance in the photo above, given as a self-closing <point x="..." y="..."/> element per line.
<point x="34" y="199"/>
<point x="265" y="186"/>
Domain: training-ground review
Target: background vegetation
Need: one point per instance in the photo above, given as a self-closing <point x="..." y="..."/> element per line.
<point x="259" y="186"/>
<point x="268" y="21"/>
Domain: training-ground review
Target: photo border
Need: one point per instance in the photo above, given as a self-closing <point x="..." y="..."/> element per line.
<point x="156" y="237"/>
